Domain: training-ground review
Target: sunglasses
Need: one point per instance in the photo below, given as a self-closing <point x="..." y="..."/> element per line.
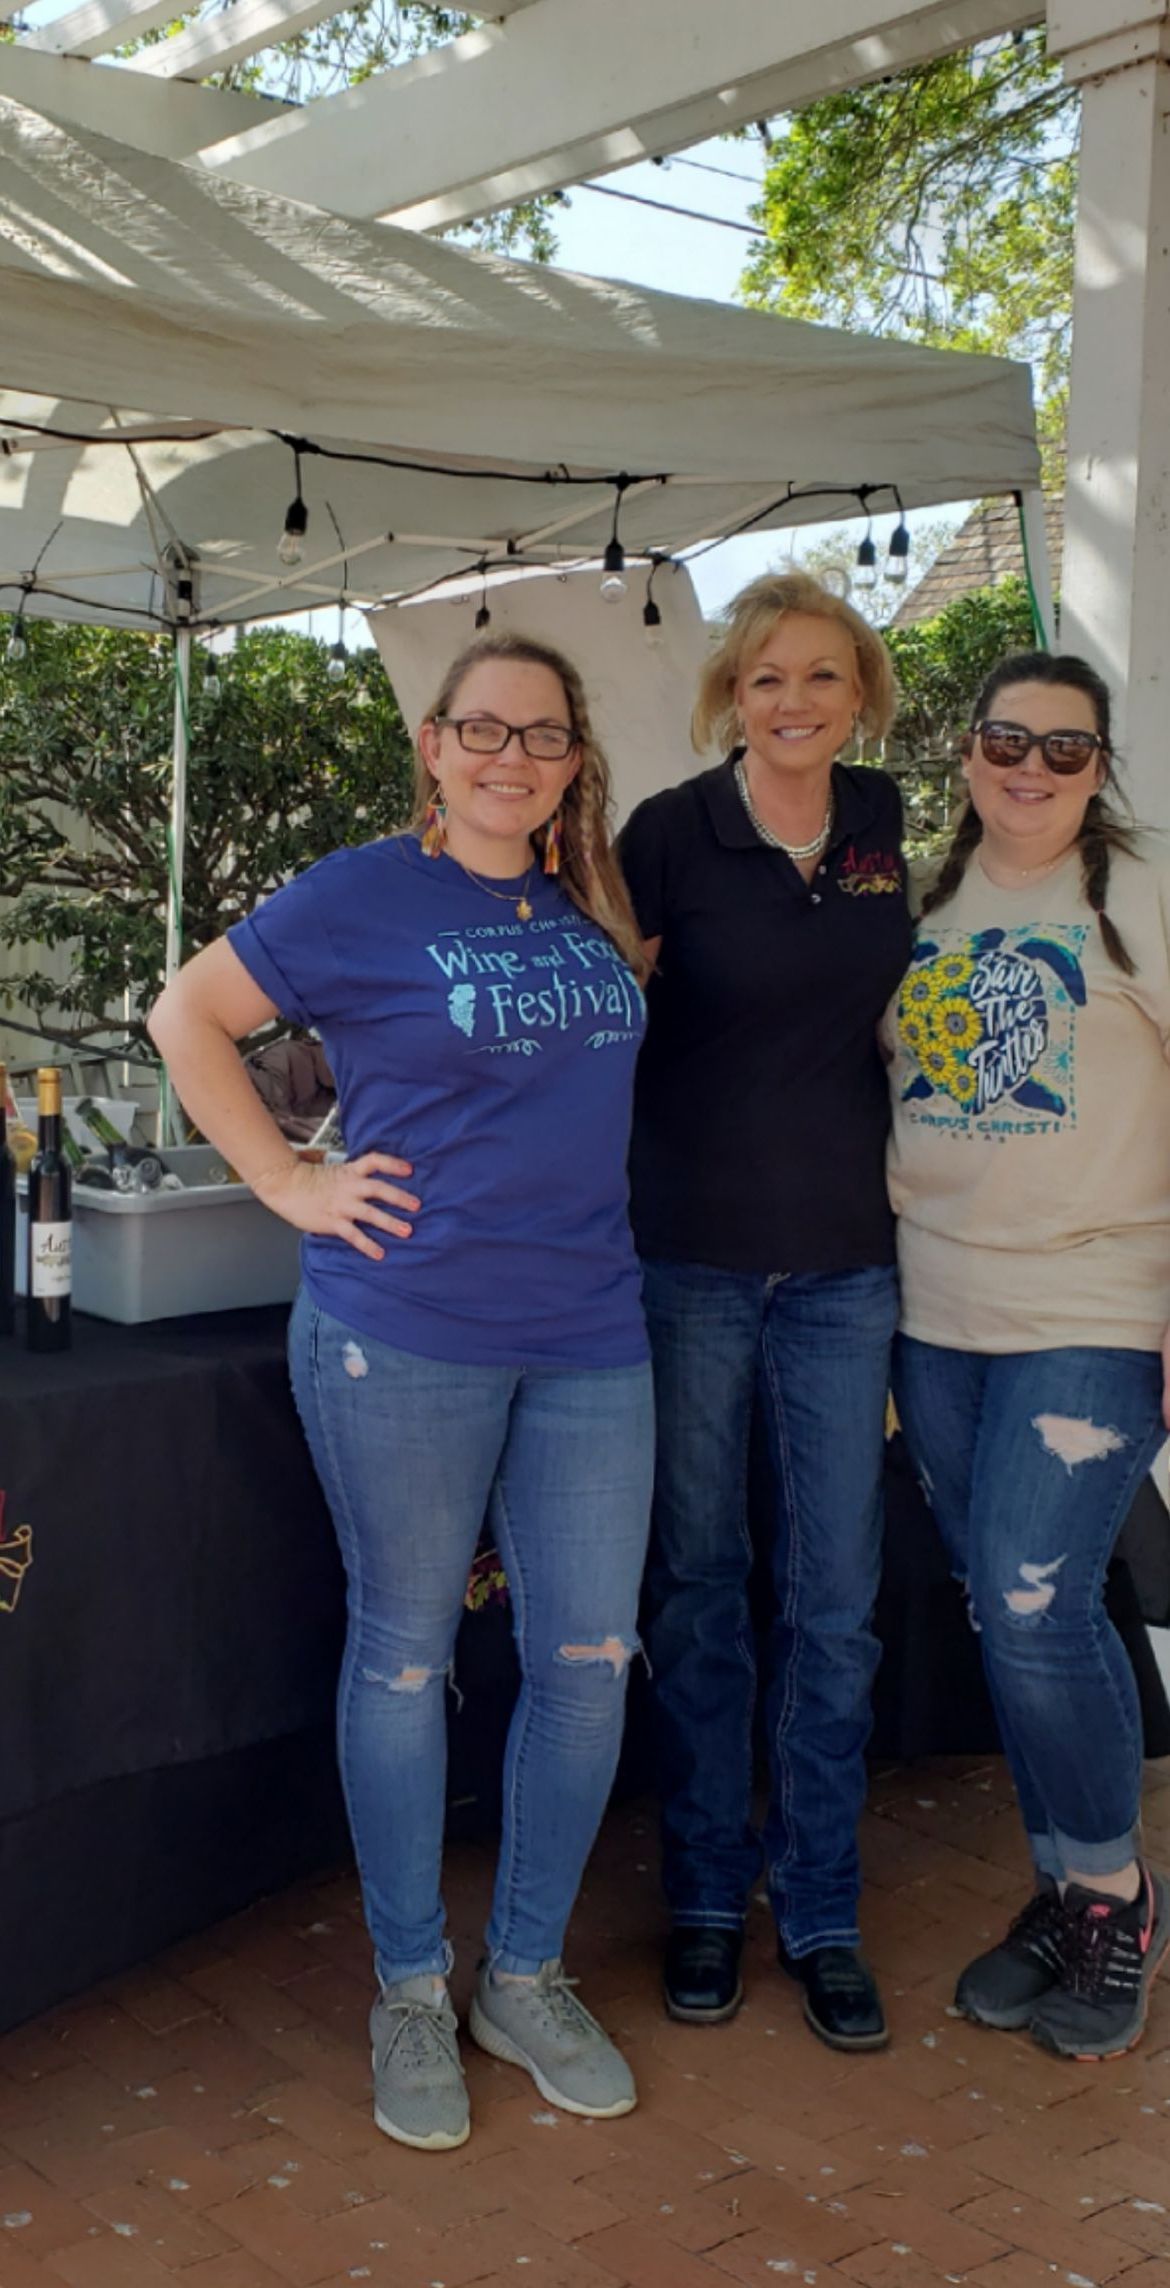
<point x="1065" y="752"/>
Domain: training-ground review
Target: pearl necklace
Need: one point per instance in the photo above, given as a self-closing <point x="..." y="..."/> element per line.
<point x="799" y="852"/>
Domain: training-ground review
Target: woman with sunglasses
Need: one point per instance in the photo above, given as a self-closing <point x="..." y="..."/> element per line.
<point x="468" y="1339"/>
<point x="1030" y="1170"/>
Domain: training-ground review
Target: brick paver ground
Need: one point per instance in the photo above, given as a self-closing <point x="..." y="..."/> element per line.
<point x="206" y="2119"/>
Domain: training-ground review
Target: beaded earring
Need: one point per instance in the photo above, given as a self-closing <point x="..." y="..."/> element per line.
<point x="553" y="843"/>
<point x="434" y="836"/>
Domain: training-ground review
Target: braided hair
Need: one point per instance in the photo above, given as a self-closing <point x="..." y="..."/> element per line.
<point x="1103" y="829"/>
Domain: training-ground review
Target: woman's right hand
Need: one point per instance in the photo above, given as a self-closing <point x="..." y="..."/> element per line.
<point x="336" y="1197"/>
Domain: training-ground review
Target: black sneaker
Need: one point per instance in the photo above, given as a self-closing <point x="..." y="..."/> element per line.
<point x="1002" y="1987"/>
<point x="1112" y="1951"/>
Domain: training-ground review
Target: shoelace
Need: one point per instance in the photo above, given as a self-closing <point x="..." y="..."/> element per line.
<point x="561" y="2009"/>
<point x="421" y="2033"/>
<point x="1040" y="1928"/>
<point x="1102" y="1955"/>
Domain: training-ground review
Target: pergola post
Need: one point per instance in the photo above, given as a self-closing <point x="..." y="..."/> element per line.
<point x="1115" y="588"/>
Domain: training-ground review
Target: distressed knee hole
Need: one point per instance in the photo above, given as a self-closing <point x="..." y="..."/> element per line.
<point x="1074" y="1442"/>
<point x="355" y="1362"/>
<point x="612" y="1650"/>
<point x="1038" y="1591"/>
<point x="405" y="1680"/>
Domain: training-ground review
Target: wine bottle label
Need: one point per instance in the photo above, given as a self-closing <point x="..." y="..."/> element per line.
<point x="52" y="1259"/>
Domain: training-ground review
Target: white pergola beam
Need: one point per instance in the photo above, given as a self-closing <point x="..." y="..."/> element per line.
<point x="508" y="110"/>
<point x="171" y="122"/>
<point x="214" y="43"/>
<point x="98" y="26"/>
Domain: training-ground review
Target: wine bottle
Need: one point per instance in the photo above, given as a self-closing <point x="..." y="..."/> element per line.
<point x="7" y="1216"/>
<point x="50" y="1227"/>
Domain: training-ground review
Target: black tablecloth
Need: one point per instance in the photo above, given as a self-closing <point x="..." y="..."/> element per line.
<point x="171" y="1616"/>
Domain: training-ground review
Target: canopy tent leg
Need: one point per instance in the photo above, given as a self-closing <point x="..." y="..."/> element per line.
<point x="1037" y="565"/>
<point x="170" y="1112"/>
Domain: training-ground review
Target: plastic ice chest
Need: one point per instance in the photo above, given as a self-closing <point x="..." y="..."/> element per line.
<point x="160" y="1255"/>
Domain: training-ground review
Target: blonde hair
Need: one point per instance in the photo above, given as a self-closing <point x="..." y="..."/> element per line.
<point x="749" y="621"/>
<point x="589" y="869"/>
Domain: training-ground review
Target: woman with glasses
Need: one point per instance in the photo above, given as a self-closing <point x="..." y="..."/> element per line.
<point x="1030" y="1170"/>
<point x="468" y="1339"/>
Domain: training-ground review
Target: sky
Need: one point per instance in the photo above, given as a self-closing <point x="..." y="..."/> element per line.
<point x="619" y="237"/>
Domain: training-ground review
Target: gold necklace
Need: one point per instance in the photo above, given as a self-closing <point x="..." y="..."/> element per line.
<point x="1025" y="873"/>
<point x="507" y="897"/>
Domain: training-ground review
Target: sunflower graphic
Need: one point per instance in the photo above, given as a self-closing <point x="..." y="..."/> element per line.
<point x="955" y="1022"/>
<point x="919" y="993"/>
<point x="952" y="969"/>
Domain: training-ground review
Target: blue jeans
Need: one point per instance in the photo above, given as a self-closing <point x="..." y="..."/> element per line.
<point x="412" y="1454"/>
<point x="1030" y="1461"/>
<point x="817" y="1348"/>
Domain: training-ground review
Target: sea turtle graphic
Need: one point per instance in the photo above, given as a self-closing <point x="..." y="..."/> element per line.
<point x="976" y="1019"/>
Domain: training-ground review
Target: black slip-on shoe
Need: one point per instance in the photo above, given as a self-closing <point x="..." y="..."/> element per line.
<point x="841" y="2000"/>
<point x="700" y="1974"/>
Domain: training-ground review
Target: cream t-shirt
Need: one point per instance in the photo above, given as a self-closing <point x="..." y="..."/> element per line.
<point x="1030" y="1155"/>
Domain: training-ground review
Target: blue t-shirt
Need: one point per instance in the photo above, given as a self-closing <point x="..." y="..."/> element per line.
<point x="497" y="1056"/>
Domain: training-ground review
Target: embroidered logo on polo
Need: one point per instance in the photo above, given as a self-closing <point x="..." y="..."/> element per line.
<point x="988" y="1023"/>
<point x="872" y="874"/>
<point x="509" y="983"/>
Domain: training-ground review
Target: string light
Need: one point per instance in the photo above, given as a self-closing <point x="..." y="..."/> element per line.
<point x="212" y="687"/>
<point x="866" y="576"/>
<point x="291" y="546"/>
<point x="337" y="663"/>
<point x="651" y="616"/>
<point x="897" y="562"/>
<point x="16" y="648"/>
<point x="613" y="564"/>
<point x="483" y="618"/>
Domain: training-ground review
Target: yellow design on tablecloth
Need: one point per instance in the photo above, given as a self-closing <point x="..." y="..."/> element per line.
<point x="15" y="1559"/>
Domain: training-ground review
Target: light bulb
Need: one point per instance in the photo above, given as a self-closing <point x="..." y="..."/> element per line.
<point x="336" y="664"/>
<point x="483" y="619"/>
<point x="16" y="648"/>
<point x="866" y="574"/>
<point x="212" y="687"/>
<point x="652" y="624"/>
<point x="613" y="570"/>
<point x="290" y="546"/>
<point x="897" y="563"/>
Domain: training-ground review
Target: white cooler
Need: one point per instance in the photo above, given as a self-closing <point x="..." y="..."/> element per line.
<point x="159" y="1255"/>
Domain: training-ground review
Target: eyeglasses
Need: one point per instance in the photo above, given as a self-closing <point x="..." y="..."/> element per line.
<point x="483" y="735"/>
<point x="1065" y="752"/>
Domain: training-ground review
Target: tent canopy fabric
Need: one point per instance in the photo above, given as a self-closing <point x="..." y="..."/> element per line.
<point x="499" y="400"/>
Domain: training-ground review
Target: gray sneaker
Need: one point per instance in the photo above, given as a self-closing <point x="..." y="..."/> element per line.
<point x="539" y="2024"/>
<point x="420" y="2096"/>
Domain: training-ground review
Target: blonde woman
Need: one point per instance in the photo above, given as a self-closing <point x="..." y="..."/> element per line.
<point x="469" y="1335"/>
<point x="770" y="891"/>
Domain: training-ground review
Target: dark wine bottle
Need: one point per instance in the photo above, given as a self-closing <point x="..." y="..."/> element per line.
<point x="50" y="1225"/>
<point x="7" y="1216"/>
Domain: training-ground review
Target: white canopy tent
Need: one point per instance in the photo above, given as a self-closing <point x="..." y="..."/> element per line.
<point x="181" y="356"/>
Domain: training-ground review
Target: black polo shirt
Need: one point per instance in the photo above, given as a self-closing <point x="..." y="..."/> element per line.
<point x="761" y="1104"/>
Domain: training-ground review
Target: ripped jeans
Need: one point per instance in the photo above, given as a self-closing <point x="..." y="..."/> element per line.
<point x="1030" y="1461"/>
<point x="413" y="1454"/>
